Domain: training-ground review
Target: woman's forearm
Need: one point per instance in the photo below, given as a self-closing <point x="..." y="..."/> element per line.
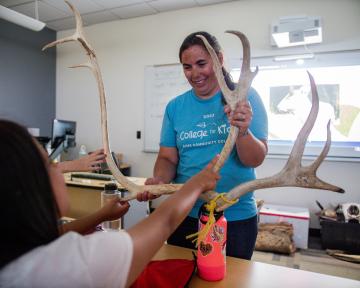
<point x="251" y="151"/>
<point x="165" y="170"/>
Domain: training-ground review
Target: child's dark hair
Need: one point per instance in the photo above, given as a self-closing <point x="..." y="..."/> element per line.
<point x="29" y="211"/>
<point x="192" y="40"/>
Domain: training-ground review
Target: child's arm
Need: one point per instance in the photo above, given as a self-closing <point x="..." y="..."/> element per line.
<point x="149" y="234"/>
<point x="113" y="210"/>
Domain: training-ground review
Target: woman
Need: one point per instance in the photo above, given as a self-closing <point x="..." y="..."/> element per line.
<point x="33" y="254"/>
<point x="195" y="128"/>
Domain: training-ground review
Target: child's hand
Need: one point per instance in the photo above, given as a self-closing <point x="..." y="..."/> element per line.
<point x="114" y="209"/>
<point x="146" y="195"/>
<point x="206" y="178"/>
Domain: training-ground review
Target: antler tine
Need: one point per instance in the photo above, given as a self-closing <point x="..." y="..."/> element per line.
<point x="63" y="40"/>
<point x="83" y="65"/>
<point x="77" y="36"/>
<point x="218" y="71"/>
<point x="246" y="76"/>
<point x="315" y="165"/>
<point x="299" y="145"/>
<point x="79" y="32"/>
<point x="230" y="98"/>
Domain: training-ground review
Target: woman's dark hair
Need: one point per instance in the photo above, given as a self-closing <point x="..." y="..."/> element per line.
<point x="192" y="40"/>
<point x="29" y="211"/>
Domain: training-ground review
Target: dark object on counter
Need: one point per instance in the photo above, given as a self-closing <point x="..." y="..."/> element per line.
<point x="340" y="236"/>
<point x="92" y="176"/>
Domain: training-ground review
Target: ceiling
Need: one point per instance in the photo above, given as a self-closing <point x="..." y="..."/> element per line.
<point x="58" y="16"/>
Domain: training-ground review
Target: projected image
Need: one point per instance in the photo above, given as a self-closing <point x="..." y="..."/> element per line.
<point x="290" y="106"/>
<point x="286" y="94"/>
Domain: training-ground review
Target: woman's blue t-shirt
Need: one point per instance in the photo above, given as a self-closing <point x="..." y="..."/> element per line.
<point x="198" y="128"/>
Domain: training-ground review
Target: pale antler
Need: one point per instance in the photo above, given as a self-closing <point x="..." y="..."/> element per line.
<point x="232" y="97"/>
<point x="293" y="173"/>
<point x="94" y="67"/>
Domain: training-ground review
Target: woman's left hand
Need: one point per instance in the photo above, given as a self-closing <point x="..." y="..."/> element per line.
<point x="241" y="116"/>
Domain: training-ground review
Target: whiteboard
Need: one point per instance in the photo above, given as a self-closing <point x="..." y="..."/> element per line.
<point x="162" y="83"/>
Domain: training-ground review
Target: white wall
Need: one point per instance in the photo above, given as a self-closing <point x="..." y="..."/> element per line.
<point x="125" y="47"/>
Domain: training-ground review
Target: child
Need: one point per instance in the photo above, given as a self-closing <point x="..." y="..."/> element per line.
<point x="33" y="254"/>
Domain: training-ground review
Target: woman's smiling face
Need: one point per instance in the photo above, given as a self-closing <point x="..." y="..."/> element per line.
<point x="198" y="70"/>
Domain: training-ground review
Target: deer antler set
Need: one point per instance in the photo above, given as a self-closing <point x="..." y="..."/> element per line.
<point x="293" y="174"/>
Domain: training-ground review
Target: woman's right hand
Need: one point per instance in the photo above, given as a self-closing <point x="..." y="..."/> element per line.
<point x="154" y="181"/>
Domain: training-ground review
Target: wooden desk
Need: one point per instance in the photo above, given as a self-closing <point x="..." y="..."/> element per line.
<point x="85" y="194"/>
<point x="243" y="273"/>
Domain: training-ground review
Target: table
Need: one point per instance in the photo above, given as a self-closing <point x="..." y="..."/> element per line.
<point x="85" y="198"/>
<point x="251" y="274"/>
